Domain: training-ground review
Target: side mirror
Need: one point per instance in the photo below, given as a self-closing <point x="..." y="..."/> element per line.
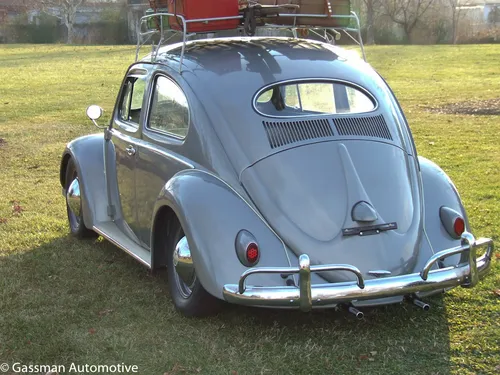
<point x="94" y="112"/>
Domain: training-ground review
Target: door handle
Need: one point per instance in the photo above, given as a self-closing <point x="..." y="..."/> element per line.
<point x="130" y="150"/>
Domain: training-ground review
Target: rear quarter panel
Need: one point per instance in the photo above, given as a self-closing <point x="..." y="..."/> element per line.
<point x="212" y="214"/>
<point x="439" y="191"/>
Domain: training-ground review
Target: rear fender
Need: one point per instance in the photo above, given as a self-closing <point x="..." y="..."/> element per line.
<point x="440" y="191"/>
<point x="88" y="154"/>
<point x="212" y="214"/>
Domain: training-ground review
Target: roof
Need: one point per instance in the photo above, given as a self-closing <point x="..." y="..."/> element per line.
<point x="254" y="62"/>
<point x="267" y="56"/>
<point x="225" y="75"/>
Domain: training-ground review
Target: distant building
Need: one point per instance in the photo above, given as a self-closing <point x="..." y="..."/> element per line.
<point x="479" y="10"/>
<point x="90" y="12"/>
<point x="135" y="9"/>
<point x="479" y="20"/>
<point x="89" y="19"/>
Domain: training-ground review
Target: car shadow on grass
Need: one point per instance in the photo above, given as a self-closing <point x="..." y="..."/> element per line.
<point x="89" y="301"/>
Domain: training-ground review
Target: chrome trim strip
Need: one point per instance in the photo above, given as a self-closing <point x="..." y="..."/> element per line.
<point x="157" y="150"/>
<point x="306" y="296"/>
<point x="116" y="243"/>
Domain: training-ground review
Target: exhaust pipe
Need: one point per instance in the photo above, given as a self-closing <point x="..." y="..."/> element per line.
<point x="358" y="314"/>
<point x="424" y="306"/>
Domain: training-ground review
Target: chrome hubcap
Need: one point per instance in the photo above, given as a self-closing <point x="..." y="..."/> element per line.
<point x="185" y="276"/>
<point x="74" y="200"/>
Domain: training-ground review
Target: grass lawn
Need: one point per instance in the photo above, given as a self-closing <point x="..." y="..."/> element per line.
<point x="64" y="301"/>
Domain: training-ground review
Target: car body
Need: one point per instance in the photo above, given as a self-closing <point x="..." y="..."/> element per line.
<point x="271" y="172"/>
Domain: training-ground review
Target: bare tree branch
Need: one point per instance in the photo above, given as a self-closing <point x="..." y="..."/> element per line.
<point x="65" y="10"/>
<point x="407" y="13"/>
<point x="370" y="20"/>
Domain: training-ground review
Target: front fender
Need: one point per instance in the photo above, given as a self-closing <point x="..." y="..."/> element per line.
<point x="439" y="191"/>
<point x="212" y="214"/>
<point x="88" y="154"/>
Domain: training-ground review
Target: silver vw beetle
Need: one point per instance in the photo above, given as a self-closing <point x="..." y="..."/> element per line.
<point x="270" y="172"/>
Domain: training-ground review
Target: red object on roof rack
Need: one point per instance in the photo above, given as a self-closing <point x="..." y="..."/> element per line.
<point x="200" y="9"/>
<point x="326" y="19"/>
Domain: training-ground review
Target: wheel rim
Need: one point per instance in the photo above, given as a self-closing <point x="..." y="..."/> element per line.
<point x="74" y="220"/>
<point x="185" y="287"/>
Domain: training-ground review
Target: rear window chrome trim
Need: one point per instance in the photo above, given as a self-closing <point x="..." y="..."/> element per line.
<point x="314" y="80"/>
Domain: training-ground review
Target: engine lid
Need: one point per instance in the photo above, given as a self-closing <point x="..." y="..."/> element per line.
<point x="313" y="195"/>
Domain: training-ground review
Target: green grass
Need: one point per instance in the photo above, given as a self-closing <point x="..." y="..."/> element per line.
<point x="64" y="301"/>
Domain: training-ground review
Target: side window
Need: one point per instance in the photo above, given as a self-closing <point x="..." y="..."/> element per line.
<point x="169" y="109"/>
<point x="132" y="99"/>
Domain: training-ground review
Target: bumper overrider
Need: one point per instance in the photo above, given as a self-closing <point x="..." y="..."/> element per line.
<point x="307" y="296"/>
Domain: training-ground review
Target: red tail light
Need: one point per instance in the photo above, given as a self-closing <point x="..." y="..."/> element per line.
<point x="453" y="221"/>
<point x="247" y="248"/>
<point x="252" y="253"/>
<point x="459" y="226"/>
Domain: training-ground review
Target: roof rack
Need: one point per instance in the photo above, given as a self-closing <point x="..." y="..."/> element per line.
<point x="166" y="33"/>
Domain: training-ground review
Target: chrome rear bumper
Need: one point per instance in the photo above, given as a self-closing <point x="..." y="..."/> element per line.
<point x="305" y="296"/>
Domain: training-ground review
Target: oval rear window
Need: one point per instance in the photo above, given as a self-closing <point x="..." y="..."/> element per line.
<point x="312" y="99"/>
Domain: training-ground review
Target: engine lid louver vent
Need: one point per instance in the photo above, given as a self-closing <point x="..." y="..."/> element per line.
<point x="281" y="133"/>
<point x="363" y="126"/>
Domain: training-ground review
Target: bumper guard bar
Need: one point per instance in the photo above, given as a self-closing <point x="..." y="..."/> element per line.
<point x="306" y="296"/>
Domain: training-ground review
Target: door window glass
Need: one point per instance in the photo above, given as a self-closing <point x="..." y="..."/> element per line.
<point x="132" y="99"/>
<point x="169" y="109"/>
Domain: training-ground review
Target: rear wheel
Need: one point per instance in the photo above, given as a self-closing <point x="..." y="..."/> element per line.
<point x="74" y="203"/>
<point x="187" y="293"/>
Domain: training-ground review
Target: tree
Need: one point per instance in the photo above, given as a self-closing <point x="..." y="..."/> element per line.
<point x="457" y="8"/>
<point x="370" y="20"/>
<point x="406" y="13"/>
<point x="65" y="10"/>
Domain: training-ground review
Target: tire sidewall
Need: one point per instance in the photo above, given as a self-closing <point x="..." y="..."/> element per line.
<point x="200" y="302"/>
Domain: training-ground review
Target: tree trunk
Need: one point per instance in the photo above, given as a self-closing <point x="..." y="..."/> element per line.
<point x="408" y="31"/>
<point x="454" y="30"/>
<point x="69" y="21"/>
<point x="370" y="32"/>
<point x="71" y="33"/>
<point x="454" y="20"/>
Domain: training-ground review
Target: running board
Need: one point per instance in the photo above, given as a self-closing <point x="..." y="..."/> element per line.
<point x="110" y="231"/>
